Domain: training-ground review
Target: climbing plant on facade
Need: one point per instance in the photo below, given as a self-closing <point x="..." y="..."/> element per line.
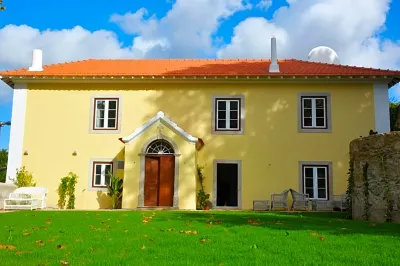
<point x="67" y="189"/>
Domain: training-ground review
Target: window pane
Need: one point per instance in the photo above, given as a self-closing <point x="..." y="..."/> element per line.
<point x="309" y="182"/>
<point x="321" y="183"/>
<point x="307" y="113"/>
<point x="108" y="169"/>
<point x="321" y="193"/>
<point x="221" y="114"/>
<point x="320" y="112"/>
<point x="97" y="180"/>
<point x="111" y="123"/>
<point x="107" y="180"/>
<point x="100" y="105"/>
<point x="306" y="103"/>
<point x="308" y="172"/>
<point x="234" y="105"/>
<point x="320" y="122"/>
<point x="321" y="172"/>
<point x="310" y="192"/>
<point x="100" y="113"/>
<point x="99" y="122"/>
<point x="234" y="114"/>
<point x="112" y="114"/>
<point x="221" y="124"/>
<point x="233" y="123"/>
<point x="320" y="103"/>
<point x="98" y="169"/>
<point x="307" y="122"/>
<point x="221" y="105"/>
<point x="112" y="105"/>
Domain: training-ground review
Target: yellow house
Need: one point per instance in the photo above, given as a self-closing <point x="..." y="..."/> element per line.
<point x="258" y="127"/>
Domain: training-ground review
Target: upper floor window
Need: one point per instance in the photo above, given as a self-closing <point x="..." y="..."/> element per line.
<point x="106" y="113"/>
<point x="228" y="114"/>
<point x="314" y="112"/>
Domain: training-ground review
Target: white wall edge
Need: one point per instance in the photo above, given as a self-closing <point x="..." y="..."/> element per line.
<point x="15" y="148"/>
<point x="381" y="106"/>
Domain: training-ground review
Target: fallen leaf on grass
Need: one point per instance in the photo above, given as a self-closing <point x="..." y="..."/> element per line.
<point x="314" y="234"/>
<point x="203" y="240"/>
<point x="145" y="221"/>
<point x="322" y="238"/>
<point x="48" y="222"/>
<point x="195" y="232"/>
<point x="170" y="229"/>
<point x="39" y="243"/>
<point x="126" y="231"/>
<point x="142" y="247"/>
<point x="60" y="247"/>
<point x="64" y="262"/>
<point x="188" y="232"/>
<point x="118" y="221"/>
<point x="35" y="228"/>
<point x="26" y="234"/>
<point x="9" y="247"/>
<point x="20" y="252"/>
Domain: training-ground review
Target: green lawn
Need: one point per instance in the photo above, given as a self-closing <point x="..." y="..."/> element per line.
<point x="193" y="238"/>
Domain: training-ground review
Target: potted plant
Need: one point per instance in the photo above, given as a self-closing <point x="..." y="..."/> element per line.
<point x="114" y="186"/>
<point x="208" y="205"/>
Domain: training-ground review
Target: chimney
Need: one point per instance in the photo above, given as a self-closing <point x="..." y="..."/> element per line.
<point x="36" y="60"/>
<point x="273" y="67"/>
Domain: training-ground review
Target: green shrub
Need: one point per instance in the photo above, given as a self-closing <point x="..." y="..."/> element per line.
<point x="24" y="178"/>
<point x="67" y="189"/>
<point x="115" y="188"/>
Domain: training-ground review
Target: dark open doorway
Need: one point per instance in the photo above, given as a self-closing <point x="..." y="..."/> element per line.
<point x="227" y="184"/>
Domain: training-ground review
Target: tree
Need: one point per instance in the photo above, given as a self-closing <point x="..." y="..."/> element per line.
<point x="3" y="164"/>
<point x="2" y="7"/>
<point x="394" y="116"/>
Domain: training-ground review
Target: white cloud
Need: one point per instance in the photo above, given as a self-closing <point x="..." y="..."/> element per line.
<point x="264" y="4"/>
<point x="185" y="31"/>
<point x="350" y="27"/>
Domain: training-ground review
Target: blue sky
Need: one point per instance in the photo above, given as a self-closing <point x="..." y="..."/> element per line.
<point x="363" y="32"/>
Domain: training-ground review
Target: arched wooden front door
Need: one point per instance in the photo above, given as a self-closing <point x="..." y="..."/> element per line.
<point x="159" y="174"/>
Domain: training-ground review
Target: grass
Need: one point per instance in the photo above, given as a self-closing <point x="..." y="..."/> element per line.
<point x="193" y="238"/>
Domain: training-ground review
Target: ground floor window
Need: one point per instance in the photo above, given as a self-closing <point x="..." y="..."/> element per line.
<point x="100" y="176"/>
<point x="315" y="181"/>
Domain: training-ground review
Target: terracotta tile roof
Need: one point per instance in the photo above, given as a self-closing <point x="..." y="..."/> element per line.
<point x="194" y="67"/>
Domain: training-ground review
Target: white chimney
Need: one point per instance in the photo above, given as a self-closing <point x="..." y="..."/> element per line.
<point x="36" y="60"/>
<point x="273" y="67"/>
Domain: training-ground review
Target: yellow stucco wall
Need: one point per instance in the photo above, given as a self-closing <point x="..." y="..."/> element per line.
<point x="57" y="123"/>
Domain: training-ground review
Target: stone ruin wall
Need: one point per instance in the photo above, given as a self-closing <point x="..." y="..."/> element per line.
<point x="375" y="169"/>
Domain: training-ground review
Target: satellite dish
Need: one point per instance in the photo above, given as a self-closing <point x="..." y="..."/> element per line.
<point x="323" y="54"/>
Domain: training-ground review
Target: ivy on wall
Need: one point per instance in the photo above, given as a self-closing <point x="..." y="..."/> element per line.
<point x="67" y="189"/>
<point x="350" y="188"/>
<point x="366" y="191"/>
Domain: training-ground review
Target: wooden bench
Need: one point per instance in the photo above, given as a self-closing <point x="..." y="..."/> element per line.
<point x="27" y="198"/>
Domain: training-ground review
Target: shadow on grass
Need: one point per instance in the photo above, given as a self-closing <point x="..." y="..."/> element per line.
<point x="332" y="223"/>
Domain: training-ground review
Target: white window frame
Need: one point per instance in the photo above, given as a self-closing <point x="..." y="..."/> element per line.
<point x="315" y="180"/>
<point x="300" y="112"/>
<point x="106" y="110"/>
<point x="228" y="114"/>
<point x="314" y="112"/>
<point x="103" y="173"/>
<point x="228" y="130"/>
